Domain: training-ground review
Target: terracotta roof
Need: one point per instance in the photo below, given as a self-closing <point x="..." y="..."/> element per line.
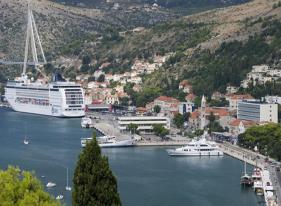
<point x="246" y="123"/>
<point x="195" y="114"/>
<point x="217" y="111"/>
<point x="184" y="83"/>
<point x="241" y="96"/>
<point x="167" y="99"/>
<point x="190" y="97"/>
<point x="141" y="109"/>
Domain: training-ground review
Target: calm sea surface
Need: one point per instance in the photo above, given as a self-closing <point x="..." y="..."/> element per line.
<point x="147" y="176"/>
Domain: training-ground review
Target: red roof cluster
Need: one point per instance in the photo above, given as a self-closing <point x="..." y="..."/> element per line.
<point x="246" y="123"/>
<point x="190" y="97"/>
<point x="167" y="99"/>
<point x="240" y="96"/>
<point x="217" y="111"/>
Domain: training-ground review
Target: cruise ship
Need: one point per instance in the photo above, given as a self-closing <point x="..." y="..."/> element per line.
<point x="57" y="98"/>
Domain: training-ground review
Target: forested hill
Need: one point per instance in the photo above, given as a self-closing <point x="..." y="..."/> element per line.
<point x="163" y="3"/>
<point x="211" y="49"/>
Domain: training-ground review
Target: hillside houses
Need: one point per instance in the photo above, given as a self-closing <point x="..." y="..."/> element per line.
<point x="260" y="75"/>
<point x="185" y="86"/>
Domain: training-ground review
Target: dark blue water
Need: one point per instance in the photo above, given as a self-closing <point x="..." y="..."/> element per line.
<point x="146" y="176"/>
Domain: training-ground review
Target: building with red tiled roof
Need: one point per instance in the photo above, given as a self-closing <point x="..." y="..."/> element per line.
<point x="217" y="95"/>
<point x="194" y="119"/>
<point x="222" y="115"/>
<point x="185" y="86"/>
<point x="141" y="110"/>
<point x="169" y="105"/>
<point x="237" y="126"/>
<point x="235" y="98"/>
<point x="190" y="97"/>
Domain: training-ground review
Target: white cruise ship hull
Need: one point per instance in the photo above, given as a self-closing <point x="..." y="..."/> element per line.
<point x="58" y="99"/>
<point x="44" y="110"/>
<point x="194" y="153"/>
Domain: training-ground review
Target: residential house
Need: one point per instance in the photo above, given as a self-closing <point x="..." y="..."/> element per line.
<point x="169" y="105"/>
<point x="217" y="96"/>
<point x="234" y="99"/>
<point x="185" y="86"/>
<point x="190" y="97"/>
<point x="231" y="89"/>
<point x="186" y="107"/>
<point x="237" y="126"/>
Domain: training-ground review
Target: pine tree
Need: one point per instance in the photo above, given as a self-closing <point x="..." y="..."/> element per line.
<point x="23" y="188"/>
<point x="94" y="182"/>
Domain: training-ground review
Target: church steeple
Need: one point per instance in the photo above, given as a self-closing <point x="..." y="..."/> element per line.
<point x="203" y="113"/>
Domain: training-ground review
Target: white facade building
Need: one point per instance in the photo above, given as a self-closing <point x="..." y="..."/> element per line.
<point x="257" y="111"/>
<point x="260" y="75"/>
<point x="185" y="107"/>
<point x="144" y="123"/>
<point x="273" y="99"/>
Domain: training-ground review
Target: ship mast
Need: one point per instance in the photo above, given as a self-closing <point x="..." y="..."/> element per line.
<point x="32" y="37"/>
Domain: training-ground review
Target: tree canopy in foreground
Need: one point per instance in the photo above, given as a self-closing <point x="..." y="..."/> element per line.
<point x="94" y="182"/>
<point x="266" y="138"/>
<point x="21" y="188"/>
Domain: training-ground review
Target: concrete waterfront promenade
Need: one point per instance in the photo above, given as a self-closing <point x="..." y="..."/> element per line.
<point x="108" y="129"/>
<point x="258" y="160"/>
<point x="112" y="130"/>
<point x="243" y="155"/>
<point x="162" y="143"/>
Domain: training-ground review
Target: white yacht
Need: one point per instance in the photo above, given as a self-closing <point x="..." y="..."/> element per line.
<point x="200" y="147"/>
<point x="57" y="98"/>
<point x="87" y="122"/>
<point x="106" y="141"/>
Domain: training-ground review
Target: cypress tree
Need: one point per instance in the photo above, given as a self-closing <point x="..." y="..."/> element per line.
<point x="94" y="182"/>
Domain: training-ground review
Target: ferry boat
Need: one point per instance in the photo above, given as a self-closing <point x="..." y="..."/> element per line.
<point x="106" y="141"/>
<point x="200" y="147"/>
<point x="57" y="98"/>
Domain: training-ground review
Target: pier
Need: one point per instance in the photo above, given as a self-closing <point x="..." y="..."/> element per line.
<point x="243" y="155"/>
<point x="268" y="171"/>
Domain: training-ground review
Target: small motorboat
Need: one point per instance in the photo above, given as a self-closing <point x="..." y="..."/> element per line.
<point x="51" y="184"/>
<point x="25" y="141"/>
<point x="59" y="197"/>
<point x="87" y="122"/>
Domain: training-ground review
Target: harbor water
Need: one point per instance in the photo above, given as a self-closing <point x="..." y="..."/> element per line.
<point x="146" y="175"/>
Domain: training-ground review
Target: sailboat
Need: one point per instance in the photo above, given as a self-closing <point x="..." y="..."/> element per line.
<point x="25" y="141"/>
<point x="67" y="188"/>
<point x="246" y="179"/>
